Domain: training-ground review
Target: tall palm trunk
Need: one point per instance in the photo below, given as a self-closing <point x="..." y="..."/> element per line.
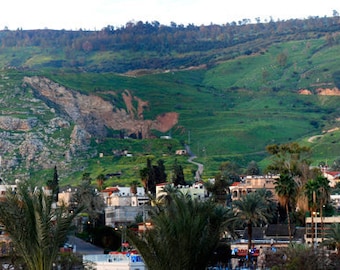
<point x="312" y="215"/>
<point x="313" y="211"/>
<point x="250" y="236"/>
<point x="322" y="227"/>
<point x="289" y="227"/>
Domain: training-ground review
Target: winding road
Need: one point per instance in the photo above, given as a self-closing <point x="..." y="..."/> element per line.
<point x="200" y="166"/>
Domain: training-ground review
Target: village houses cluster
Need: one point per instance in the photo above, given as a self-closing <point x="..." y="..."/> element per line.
<point x="123" y="205"/>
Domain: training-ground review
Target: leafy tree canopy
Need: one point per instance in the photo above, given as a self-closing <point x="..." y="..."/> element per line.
<point x="288" y="158"/>
<point x="253" y="168"/>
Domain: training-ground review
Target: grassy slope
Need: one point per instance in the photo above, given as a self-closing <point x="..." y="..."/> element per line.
<point x="233" y="110"/>
<point x="228" y="112"/>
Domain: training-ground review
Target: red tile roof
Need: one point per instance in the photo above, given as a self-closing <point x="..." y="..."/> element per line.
<point x="111" y="190"/>
<point x="235" y="184"/>
<point x="333" y="173"/>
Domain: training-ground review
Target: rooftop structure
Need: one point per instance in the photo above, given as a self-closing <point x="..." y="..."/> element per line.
<point x="123" y="206"/>
<point x="114" y="261"/>
<point x="122" y="196"/>
<point x="332" y="176"/>
<point x="251" y="183"/>
<point x="196" y="191"/>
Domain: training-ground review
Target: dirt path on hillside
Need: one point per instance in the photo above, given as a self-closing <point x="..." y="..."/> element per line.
<point x="311" y="139"/>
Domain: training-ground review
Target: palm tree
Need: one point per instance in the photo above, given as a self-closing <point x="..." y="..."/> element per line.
<point x="318" y="193"/>
<point x="167" y="194"/>
<point x="311" y="188"/>
<point x="251" y="210"/>
<point x="184" y="235"/>
<point x="324" y="192"/>
<point x="267" y="196"/>
<point x="220" y="189"/>
<point x="286" y="190"/>
<point x="295" y="256"/>
<point x="36" y="229"/>
<point x="333" y="237"/>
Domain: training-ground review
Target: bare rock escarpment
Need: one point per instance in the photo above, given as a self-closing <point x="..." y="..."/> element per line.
<point x="94" y="114"/>
<point x="17" y="124"/>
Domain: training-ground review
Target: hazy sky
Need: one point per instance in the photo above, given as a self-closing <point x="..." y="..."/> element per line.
<point x="96" y="14"/>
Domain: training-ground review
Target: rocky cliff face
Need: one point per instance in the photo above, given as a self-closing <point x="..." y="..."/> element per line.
<point x="95" y="115"/>
<point x="43" y="124"/>
<point x="17" y="124"/>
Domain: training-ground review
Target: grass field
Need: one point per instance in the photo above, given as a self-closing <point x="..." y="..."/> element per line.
<point x="229" y="111"/>
<point x="233" y="110"/>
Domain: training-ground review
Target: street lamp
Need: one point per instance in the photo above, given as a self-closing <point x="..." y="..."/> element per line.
<point x="123" y="243"/>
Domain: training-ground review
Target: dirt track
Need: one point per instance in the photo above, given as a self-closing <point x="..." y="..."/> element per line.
<point x="311" y="139"/>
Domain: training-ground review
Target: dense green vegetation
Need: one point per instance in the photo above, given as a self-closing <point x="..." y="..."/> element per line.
<point x="234" y="86"/>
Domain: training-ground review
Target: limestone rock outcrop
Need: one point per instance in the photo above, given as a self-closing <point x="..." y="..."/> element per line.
<point x="94" y="114"/>
<point x="43" y="123"/>
<point x="17" y="124"/>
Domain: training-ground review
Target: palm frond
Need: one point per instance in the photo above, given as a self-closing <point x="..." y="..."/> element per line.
<point x="35" y="227"/>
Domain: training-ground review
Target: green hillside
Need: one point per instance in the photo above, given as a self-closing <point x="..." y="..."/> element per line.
<point x="234" y="109"/>
<point x="233" y="98"/>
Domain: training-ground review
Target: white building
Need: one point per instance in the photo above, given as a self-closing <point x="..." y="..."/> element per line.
<point x="332" y="176"/>
<point x="122" y="196"/>
<point x="122" y="206"/>
<point x="116" y="216"/>
<point x="114" y="261"/>
<point x="196" y="191"/>
<point x="335" y="200"/>
<point x="5" y="188"/>
<point x="317" y="227"/>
